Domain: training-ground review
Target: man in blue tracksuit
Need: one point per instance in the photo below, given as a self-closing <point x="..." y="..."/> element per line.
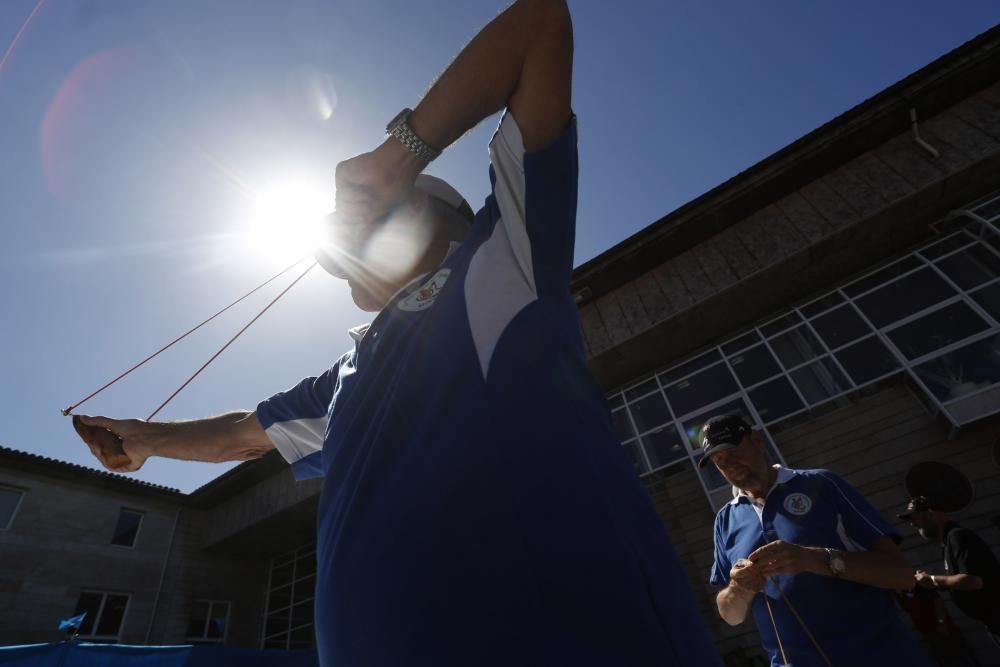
<point x="477" y="508"/>
<point x="813" y="559"/>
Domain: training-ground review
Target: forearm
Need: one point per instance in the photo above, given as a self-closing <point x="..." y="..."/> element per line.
<point x="957" y="582"/>
<point x="733" y="604"/>
<point x="488" y="71"/>
<point x="882" y="569"/>
<point x="235" y="436"/>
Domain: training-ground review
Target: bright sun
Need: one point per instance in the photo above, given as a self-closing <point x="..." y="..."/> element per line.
<point x="285" y="222"/>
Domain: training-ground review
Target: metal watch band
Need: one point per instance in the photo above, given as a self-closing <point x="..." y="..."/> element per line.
<point x="399" y="127"/>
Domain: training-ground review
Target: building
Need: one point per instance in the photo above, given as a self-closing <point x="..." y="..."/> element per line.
<point x="843" y="294"/>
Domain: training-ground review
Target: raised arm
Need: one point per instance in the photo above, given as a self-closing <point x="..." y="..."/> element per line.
<point x="123" y="445"/>
<point x="522" y="60"/>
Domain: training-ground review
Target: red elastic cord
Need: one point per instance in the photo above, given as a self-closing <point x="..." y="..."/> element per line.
<point x="166" y="347"/>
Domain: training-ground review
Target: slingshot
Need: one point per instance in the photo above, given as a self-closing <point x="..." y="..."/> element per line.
<point x="69" y="411"/>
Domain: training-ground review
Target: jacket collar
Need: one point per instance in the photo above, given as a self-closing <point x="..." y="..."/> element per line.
<point x="784" y="474"/>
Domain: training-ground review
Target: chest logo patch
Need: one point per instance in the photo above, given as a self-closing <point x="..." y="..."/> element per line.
<point x="424" y="296"/>
<point x="798" y="504"/>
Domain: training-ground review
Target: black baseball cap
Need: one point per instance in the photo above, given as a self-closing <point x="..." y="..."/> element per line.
<point x="722" y="432"/>
<point x="918" y="504"/>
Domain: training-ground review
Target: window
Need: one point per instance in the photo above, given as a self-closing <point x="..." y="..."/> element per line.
<point x="10" y="500"/>
<point x="209" y="619"/>
<point x="933" y="314"/>
<point x="105" y="614"/>
<point x="127" y="528"/>
<point x="288" y="621"/>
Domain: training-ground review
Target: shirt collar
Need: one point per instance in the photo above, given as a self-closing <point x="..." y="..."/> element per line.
<point x="358" y="332"/>
<point x="784" y="474"/>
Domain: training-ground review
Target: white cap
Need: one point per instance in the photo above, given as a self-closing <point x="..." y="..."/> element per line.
<point x="443" y="191"/>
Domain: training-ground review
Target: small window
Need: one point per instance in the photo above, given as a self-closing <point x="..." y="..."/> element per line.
<point x="905" y="296"/>
<point x="209" y="620"/>
<point x="796" y="347"/>
<point x="664" y="446"/>
<point x="649" y="412"/>
<point x="939" y="329"/>
<point x="10" y="500"/>
<point x="127" y="528"/>
<point x="754" y="365"/>
<point x="840" y="327"/>
<point x="105" y="614"/>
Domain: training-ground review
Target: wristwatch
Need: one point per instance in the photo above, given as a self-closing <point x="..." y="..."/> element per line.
<point x="399" y="127"/>
<point x="835" y="561"/>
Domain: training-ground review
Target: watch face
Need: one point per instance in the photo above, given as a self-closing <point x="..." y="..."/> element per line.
<point x="400" y="117"/>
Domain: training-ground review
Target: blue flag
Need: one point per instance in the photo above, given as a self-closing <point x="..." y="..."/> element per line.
<point x="74" y="622"/>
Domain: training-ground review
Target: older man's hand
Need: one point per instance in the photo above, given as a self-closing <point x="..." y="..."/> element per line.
<point x="371" y="185"/>
<point x="778" y="558"/>
<point x="746" y="576"/>
<point x="119" y="444"/>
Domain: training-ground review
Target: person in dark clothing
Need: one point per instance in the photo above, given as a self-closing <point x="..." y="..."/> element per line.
<point x="972" y="571"/>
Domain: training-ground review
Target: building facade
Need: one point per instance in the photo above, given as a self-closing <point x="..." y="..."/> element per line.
<point x="843" y="294"/>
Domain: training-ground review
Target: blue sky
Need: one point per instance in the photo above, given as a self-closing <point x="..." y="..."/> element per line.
<point x="136" y="137"/>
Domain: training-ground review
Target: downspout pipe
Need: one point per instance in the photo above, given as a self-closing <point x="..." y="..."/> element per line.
<point x="918" y="139"/>
<point x="163" y="576"/>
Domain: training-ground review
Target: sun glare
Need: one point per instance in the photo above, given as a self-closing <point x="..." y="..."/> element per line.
<point x="285" y="222"/>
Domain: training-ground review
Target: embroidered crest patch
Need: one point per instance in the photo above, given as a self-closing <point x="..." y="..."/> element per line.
<point x="423" y="297"/>
<point x="798" y="504"/>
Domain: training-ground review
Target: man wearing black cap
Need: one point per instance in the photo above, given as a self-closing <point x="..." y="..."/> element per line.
<point x="972" y="572"/>
<point x="811" y="557"/>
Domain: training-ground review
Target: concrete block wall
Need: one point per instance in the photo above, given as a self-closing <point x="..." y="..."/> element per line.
<point x="60" y="544"/>
<point x="966" y="133"/>
<point x="871" y="443"/>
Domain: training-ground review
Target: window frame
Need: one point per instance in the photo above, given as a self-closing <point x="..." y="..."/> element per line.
<point x="204" y="638"/>
<point x="284" y="636"/>
<point x="981" y="232"/>
<point x="100" y="612"/>
<point x="138" y="528"/>
<point x="17" y="506"/>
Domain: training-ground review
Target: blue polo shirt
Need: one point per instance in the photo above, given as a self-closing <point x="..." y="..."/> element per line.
<point x="853" y="624"/>
<point x="477" y="508"/>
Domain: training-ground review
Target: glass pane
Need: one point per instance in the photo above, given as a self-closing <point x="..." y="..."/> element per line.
<point x="280" y="597"/>
<point x="91" y="604"/>
<point x="110" y="623"/>
<point x="964" y="370"/>
<point x="755" y="365"/>
<point x="936" y="330"/>
<point x="989" y="209"/>
<point x="305" y="564"/>
<point x="953" y="242"/>
<point x="127" y="528"/>
<point x="824" y="303"/>
<point x="664" y="446"/>
<point x="217" y="621"/>
<point x="276" y="623"/>
<point x="623" y="427"/>
<point x="796" y="346"/>
<point x="906" y="296"/>
<point x="706" y="387"/>
<point x="775" y="399"/>
<point x="641" y="390"/>
<point x="276" y="643"/>
<point x="988" y="299"/>
<point x="744" y="341"/>
<point x="305" y="588"/>
<point x="302" y="614"/>
<point x="650" y="412"/>
<point x="971" y="267"/>
<point x="635" y="456"/>
<point x="281" y="574"/>
<point x="879" y="277"/>
<point x="615" y="402"/>
<point x="780" y="324"/>
<point x="303" y="634"/>
<point x="840" y="326"/>
<point x="196" y="626"/>
<point x="820" y="381"/>
<point x="867" y="360"/>
<point x="9" y="498"/>
<point x="690" y="367"/>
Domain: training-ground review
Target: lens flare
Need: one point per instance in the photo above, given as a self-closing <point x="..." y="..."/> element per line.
<point x="285" y="221"/>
